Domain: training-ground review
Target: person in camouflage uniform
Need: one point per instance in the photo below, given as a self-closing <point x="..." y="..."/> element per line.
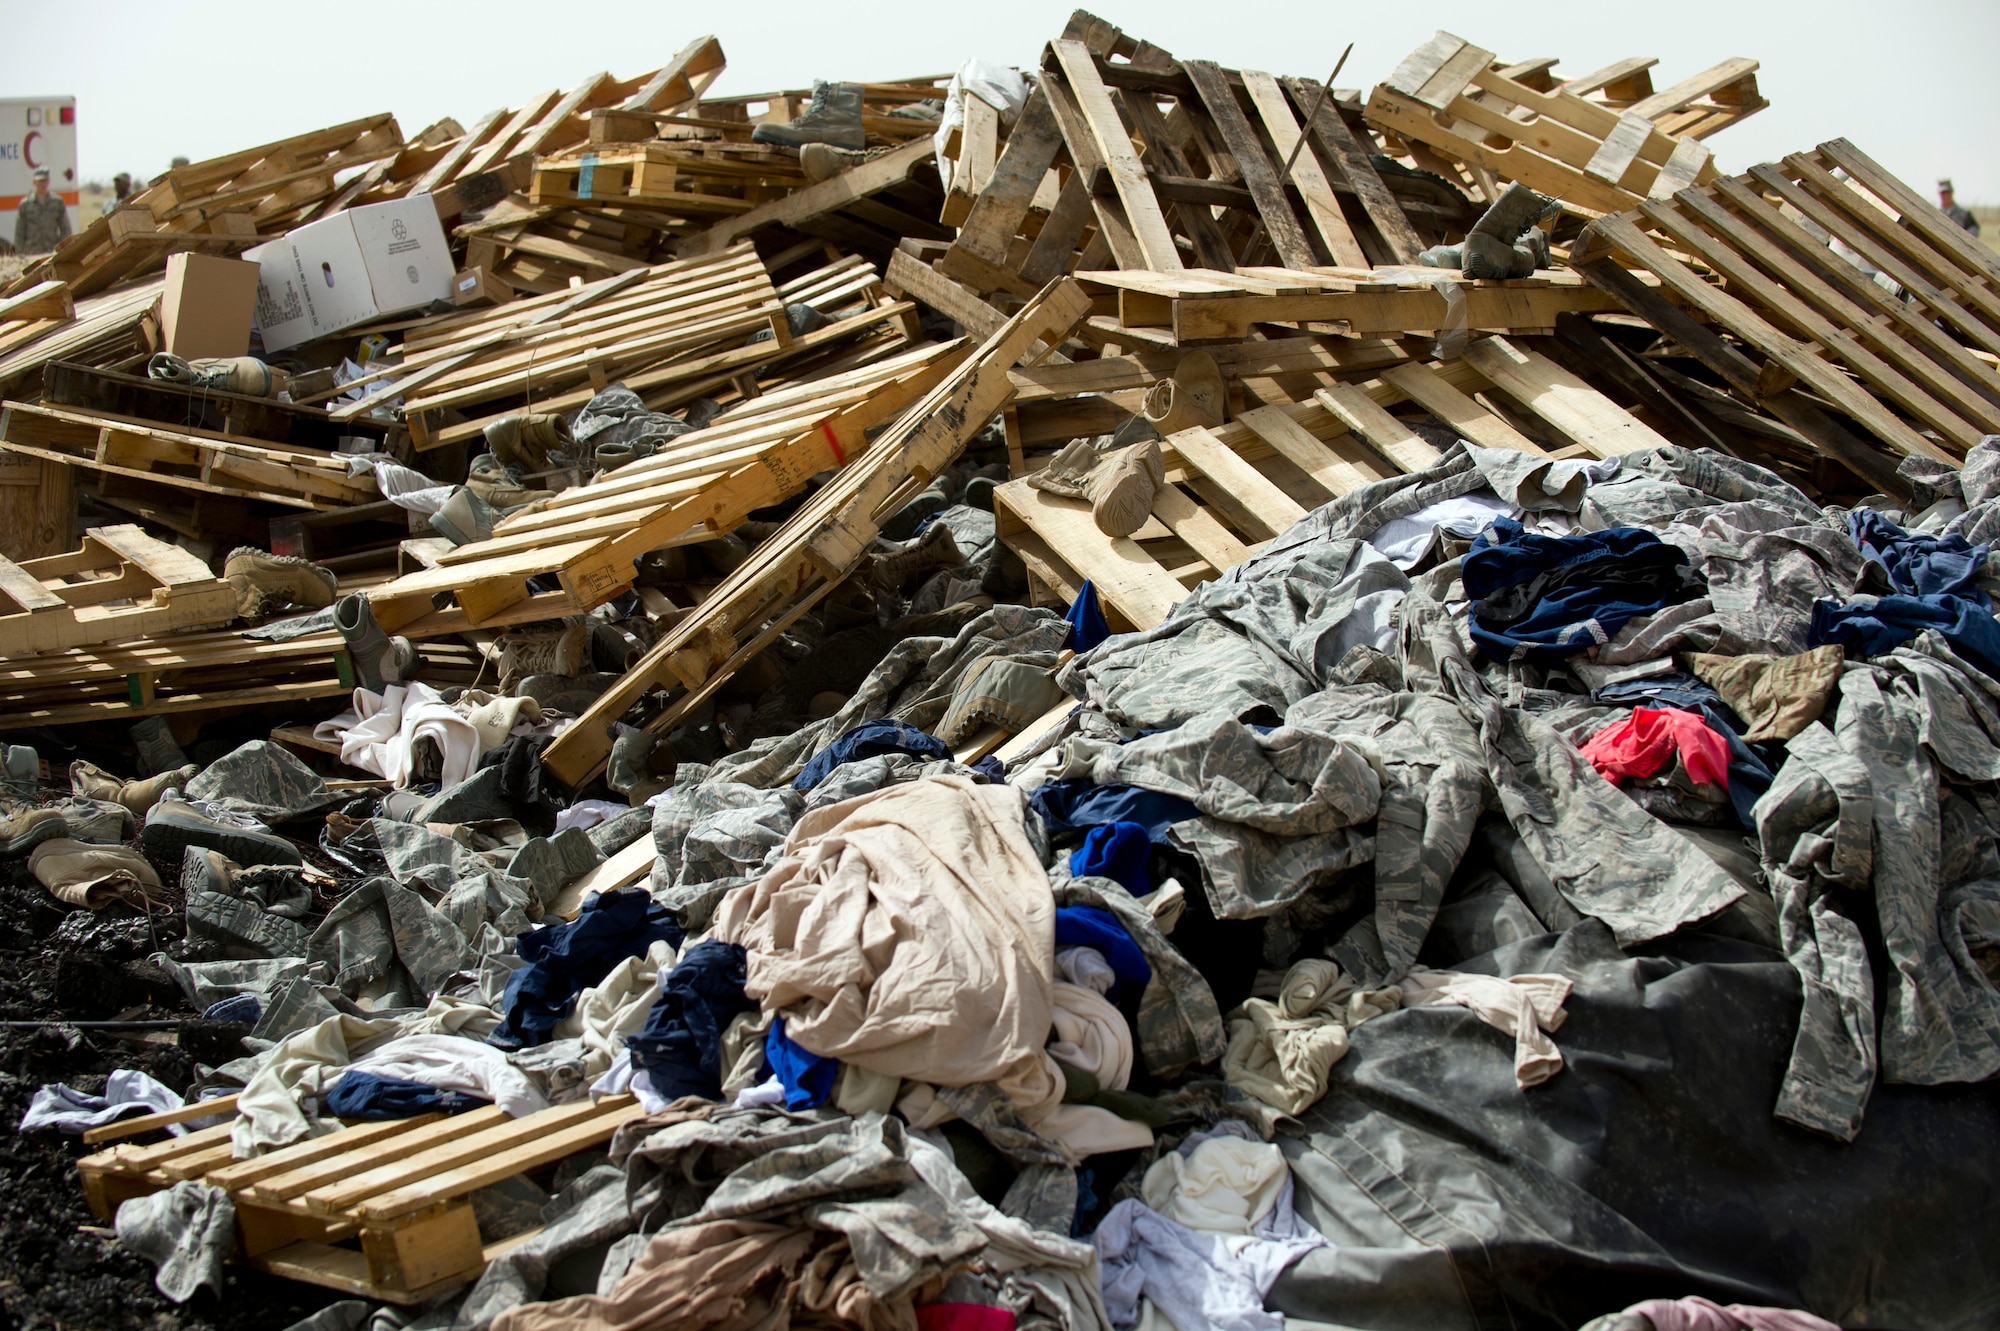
<point x="42" y="221"/>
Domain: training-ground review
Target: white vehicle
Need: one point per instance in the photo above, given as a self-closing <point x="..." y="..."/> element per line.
<point x="37" y="132"/>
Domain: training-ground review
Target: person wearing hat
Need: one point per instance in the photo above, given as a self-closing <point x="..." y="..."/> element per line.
<point x="1950" y="208"/>
<point x="42" y="221"/>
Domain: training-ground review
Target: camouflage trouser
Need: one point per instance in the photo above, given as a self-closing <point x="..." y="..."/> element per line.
<point x="1861" y="806"/>
<point x="265" y="780"/>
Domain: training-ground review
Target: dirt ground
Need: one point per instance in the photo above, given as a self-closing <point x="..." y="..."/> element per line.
<point x="55" y="1272"/>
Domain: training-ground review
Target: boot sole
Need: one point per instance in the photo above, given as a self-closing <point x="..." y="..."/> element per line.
<point x="48" y="830"/>
<point x="168" y="838"/>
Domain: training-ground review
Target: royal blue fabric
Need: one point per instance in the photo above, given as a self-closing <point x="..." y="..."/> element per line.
<point x="1118" y="851"/>
<point x="1087" y="626"/>
<point x="991" y="768"/>
<point x="807" y="1077"/>
<point x="1870" y="628"/>
<point x="1919" y="565"/>
<point x="1632" y="572"/>
<point x="680" y="1048"/>
<point x="1070" y="806"/>
<point x="1087" y="926"/>
<point x="566" y="959"/>
<point x="367" y="1095"/>
<point x="868" y="740"/>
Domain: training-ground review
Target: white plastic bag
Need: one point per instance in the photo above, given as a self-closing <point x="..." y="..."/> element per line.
<point x="999" y="86"/>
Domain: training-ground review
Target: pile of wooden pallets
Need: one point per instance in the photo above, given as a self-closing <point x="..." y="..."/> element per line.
<point x="1137" y="205"/>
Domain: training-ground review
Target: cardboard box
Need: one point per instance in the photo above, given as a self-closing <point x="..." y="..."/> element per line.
<point x="349" y="269"/>
<point x="207" y="305"/>
<point x="475" y="287"/>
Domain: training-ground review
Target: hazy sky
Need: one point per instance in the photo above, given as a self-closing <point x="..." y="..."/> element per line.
<point x="1914" y="84"/>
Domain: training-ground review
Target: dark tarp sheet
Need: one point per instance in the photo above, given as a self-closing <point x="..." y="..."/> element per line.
<point x="1650" y="1167"/>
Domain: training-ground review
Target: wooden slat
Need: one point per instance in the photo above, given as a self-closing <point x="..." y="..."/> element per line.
<point x="1390" y="437"/>
<point x="1114" y="145"/>
<point x="1560" y="398"/>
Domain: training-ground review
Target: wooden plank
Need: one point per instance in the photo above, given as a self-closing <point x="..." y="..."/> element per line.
<point x="546" y="1138"/>
<point x="27" y="592"/>
<point x="1317" y="192"/>
<point x="1695" y="87"/>
<point x="871" y="177"/>
<point x="49" y="301"/>
<point x="1114" y="147"/>
<point x="1199" y="528"/>
<point x="1566" y="402"/>
<point x="622" y="869"/>
<point x="1423" y="386"/>
<point x="1281" y="225"/>
<point x="1390" y="437"/>
<point x="1119" y="567"/>
<point x="1746" y="323"/>
<point x="1918" y="213"/>
<point x="1273" y="509"/>
<point x="1879" y="374"/>
<point x="127" y="1127"/>
<point x="1296" y="444"/>
<point x="1353" y="159"/>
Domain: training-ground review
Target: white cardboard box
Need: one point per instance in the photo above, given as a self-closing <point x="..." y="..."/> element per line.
<point x="355" y="266"/>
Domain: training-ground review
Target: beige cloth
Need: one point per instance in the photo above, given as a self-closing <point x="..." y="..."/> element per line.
<point x="726" y="1275"/>
<point x="1224" y="1186"/>
<point x="1283" y="1052"/>
<point x="1523" y="1006"/>
<point x="615" y="1008"/>
<point x="1777" y="696"/>
<point x="81" y="874"/>
<point x="911" y="932"/>
<point x="1092" y="1036"/>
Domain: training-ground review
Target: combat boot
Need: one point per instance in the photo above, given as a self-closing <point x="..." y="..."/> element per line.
<point x="465" y="517"/>
<point x="642" y="765"/>
<point x="24" y="829"/>
<point x="833" y="117"/>
<point x="22" y="776"/>
<point x="562" y="649"/>
<point x="823" y="161"/>
<point x="525" y="441"/>
<point x="94" y="783"/>
<point x="204" y="870"/>
<point x="490" y="479"/>
<point x="934" y="550"/>
<point x="265" y="583"/>
<point x="158" y="750"/>
<point x="1121" y="494"/>
<point x="379" y="660"/>
<point x="1489" y="249"/>
<point x="244" y="927"/>
<point x="1195" y="396"/>
<point x="174" y="825"/>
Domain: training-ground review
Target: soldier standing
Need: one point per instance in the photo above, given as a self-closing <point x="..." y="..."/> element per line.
<point x="1948" y="205"/>
<point x="42" y="222"/>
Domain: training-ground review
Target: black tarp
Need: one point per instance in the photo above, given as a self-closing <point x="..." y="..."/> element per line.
<point x="1649" y="1167"/>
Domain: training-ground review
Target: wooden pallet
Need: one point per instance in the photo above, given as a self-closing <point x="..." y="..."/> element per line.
<point x="821" y="544"/>
<point x="865" y="209"/>
<point x="63" y="601"/>
<point x="1231" y="489"/>
<point x="1455" y="99"/>
<point x="260" y="420"/>
<point x="377" y="1210"/>
<point x="1910" y="373"/>
<point x="1697" y="107"/>
<point x="185" y="458"/>
<point x="1195" y="306"/>
<point x="703" y="483"/>
<point x="698" y="178"/>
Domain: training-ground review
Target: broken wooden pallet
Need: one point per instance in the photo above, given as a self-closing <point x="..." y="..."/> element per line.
<point x="1454" y="98"/>
<point x="697" y="178"/>
<point x="702" y="483"/>
<point x="821" y="544"/>
<point x="120" y="585"/>
<point x="1196" y="306"/>
<point x="185" y="458"/>
<point x="1697" y="107"/>
<point x="1906" y="368"/>
<point x="867" y="208"/>
<point x="1234" y="487"/>
<point x="377" y="1210"/>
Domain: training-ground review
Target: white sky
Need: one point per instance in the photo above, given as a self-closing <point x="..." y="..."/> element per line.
<point x="1913" y="84"/>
